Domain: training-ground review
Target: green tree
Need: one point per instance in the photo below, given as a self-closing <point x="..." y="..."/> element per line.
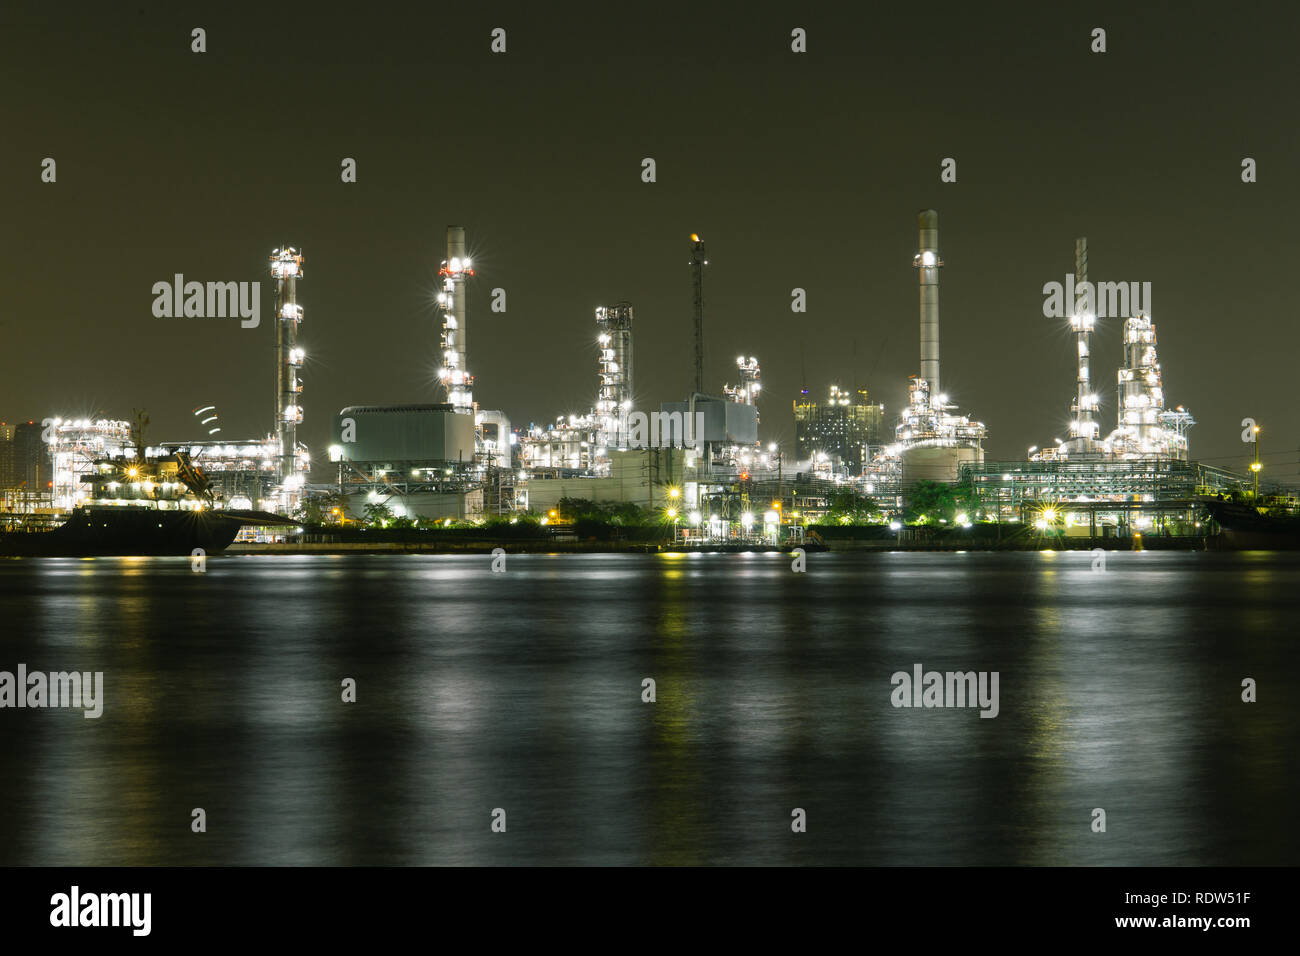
<point x="579" y="509"/>
<point x="931" y="501"/>
<point x="849" y="507"/>
<point x="626" y="513"/>
<point x="313" y="512"/>
<point x="378" y="515"/>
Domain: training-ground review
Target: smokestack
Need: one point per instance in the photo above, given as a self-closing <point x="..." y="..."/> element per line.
<point x="928" y="263"/>
<point x="698" y="262"/>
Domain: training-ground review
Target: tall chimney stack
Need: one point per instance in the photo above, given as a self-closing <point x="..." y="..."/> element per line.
<point x="928" y="263"/>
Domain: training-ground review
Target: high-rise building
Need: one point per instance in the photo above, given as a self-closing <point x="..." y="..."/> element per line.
<point x="842" y="426"/>
<point x="7" y="467"/>
<point x="6" y="455"/>
<point x="25" y="471"/>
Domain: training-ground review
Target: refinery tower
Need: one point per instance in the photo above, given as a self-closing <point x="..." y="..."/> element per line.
<point x="286" y="269"/>
<point x="1145" y="428"/>
<point x="933" y="441"/>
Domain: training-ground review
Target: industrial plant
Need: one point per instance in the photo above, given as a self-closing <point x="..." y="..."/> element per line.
<point x="695" y="461"/>
<point x="1138" y="478"/>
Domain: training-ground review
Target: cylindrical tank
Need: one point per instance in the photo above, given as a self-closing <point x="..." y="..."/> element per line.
<point x="937" y="463"/>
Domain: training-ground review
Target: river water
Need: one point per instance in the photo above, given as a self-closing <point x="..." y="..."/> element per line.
<point x="1119" y="689"/>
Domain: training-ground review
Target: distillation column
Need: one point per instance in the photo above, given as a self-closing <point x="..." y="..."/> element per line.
<point x="614" y="368"/>
<point x="1083" y="427"/>
<point x="286" y="268"/>
<point x="454" y="375"/>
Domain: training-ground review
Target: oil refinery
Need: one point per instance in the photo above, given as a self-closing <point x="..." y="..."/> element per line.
<point x="696" y="461"/>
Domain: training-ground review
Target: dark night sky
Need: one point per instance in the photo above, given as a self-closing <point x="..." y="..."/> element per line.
<point x="797" y="170"/>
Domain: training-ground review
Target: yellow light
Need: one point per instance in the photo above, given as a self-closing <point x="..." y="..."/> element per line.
<point x="1049" y="515"/>
<point x="672" y="512"/>
<point x="674" y="492"/>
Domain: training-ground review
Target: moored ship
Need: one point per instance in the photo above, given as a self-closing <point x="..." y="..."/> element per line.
<point x="1245" y="527"/>
<point x="164" y="507"/>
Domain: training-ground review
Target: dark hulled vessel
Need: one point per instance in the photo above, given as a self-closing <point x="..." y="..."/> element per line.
<point x="93" y="531"/>
<point x="1244" y="527"/>
<point x="159" y="507"/>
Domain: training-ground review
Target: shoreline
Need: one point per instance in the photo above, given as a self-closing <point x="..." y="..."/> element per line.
<point x="517" y="546"/>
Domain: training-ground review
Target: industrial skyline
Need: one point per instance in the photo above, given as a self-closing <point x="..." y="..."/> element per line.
<point x="703" y="435"/>
<point x="564" y="230"/>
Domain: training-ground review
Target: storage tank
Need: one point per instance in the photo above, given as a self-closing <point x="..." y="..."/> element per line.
<point x="411" y="433"/>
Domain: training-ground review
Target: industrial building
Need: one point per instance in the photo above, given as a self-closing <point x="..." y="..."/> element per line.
<point x="1098" y="497"/>
<point x="75" y="445"/>
<point x="697" y="460"/>
<point x="642" y="477"/>
<point x="748" y="384"/>
<point x="25" y="474"/>
<point x="1139" y="478"/>
<point x="580" y="443"/>
<point x="431" y="461"/>
<point x="843" y="428"/>
<point x="417" y="460"/>
<point x="1145" y="428"/>
<point x="671" y="458"/>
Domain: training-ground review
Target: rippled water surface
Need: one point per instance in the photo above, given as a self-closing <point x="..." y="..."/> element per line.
<point x="522" y="691"/>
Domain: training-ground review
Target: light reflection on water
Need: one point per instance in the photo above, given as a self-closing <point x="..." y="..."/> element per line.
<point x="522" y="691"/>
